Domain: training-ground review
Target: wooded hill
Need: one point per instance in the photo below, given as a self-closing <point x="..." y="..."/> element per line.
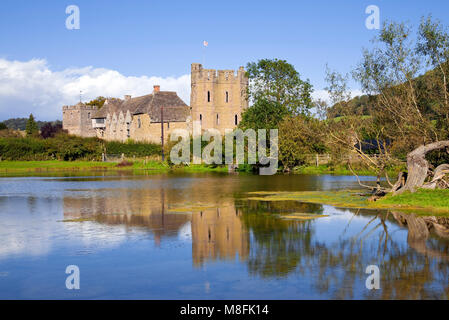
<point x="20" y="123"/>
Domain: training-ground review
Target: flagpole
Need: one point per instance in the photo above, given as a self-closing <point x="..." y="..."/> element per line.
<point x="204" y="55"/>
<point x="205" y="44"/>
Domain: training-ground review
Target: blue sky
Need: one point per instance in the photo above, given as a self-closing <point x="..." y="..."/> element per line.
<point x="161" y="39"/>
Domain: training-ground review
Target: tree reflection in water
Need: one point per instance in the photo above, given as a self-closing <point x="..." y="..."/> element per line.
<point x="415" y="269"/>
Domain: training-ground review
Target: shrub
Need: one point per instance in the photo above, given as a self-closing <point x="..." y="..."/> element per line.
<point x="299" y="137"/>
<point x="49" y="130"/>
<point x="62" y="146"/>
<point x="131" y="148"/>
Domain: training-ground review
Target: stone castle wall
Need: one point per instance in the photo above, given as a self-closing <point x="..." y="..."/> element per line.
<point x="151" y="132"/>
<point x="218" y="98"/>
<point x="77" y="120"/>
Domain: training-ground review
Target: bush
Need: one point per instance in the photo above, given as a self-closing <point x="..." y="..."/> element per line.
<point x="22" y="149"/>
<point x="49" y="130"/>
<point x="131" y="148"/>
<point x="299" y="137"/>
<point x="62" y="146"/>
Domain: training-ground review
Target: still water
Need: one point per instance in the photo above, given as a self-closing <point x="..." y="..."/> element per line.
<point x="197" y="236"/>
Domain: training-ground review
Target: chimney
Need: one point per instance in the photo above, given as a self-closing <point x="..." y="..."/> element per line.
<point x="127" y="97"/>
<point x="156" y="88"/>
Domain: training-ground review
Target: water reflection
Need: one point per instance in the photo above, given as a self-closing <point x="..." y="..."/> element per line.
<point x="199" y="223"/>
<point x="216" y="231"/>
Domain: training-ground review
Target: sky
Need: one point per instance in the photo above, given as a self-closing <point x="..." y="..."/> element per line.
<point x="125" y="47"/>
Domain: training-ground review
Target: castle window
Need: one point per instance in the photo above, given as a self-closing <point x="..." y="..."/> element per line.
<point x="88" y="115"/>
<point x="208" y="96"/>
<point x="168" y="125"/>
<point x="236" y="120"/>
<point x="138" y="122"/>
<point x="227" y="97"/>
<point x="201" y="118"/>
<point x="218" y="120"/>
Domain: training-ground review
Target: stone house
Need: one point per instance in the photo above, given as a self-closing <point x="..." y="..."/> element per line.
<point x="140" y="118"/>
<point x="217" y="100"/>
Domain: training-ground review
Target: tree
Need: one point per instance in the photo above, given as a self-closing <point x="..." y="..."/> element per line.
<point x="49" y="130"/>
<point x="31" y="126"/>
<point x="3" y="126"/>
<point x="301" y="136"/>
<point x="409" y="114"/>
<point x="263" y="114"/>
<point x="276" y="90"/>
<point x="98" y="101"/>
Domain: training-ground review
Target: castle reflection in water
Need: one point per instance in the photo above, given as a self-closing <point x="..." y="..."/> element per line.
<point x="216" y="231"/>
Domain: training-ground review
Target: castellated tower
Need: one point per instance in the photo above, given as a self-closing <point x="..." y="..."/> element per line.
<point x="77" y="120"/>
<point x="218" y="98"/>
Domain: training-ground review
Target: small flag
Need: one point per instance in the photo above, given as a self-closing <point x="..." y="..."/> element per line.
<point x="205" y="43"/>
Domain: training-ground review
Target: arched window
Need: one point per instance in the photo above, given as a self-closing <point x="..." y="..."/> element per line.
<point x="236" y="120"/>
<point x="201" y="118"/>
<point x="138" y="122"/>
<point x="208" y="96"/>
<point x="227" y="97"/>
<point x="218" y="120"/>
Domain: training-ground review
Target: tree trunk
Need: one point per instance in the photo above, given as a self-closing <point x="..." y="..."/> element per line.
<point x="418" y="166"/>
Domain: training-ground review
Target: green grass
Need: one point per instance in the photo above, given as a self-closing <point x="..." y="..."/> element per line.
<point x="422" y="202"/>
<point x="342" y="170"/>
<point x="437" y="199"/>
<point x="20" y="167"/>
<point x="13" y="166"/>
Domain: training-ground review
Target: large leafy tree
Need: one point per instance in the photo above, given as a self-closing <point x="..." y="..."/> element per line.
<point x="276" y="90"/>
<point x="263" y="114"/>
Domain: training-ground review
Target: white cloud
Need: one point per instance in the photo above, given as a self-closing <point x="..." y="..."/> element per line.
<point x="32" y="87"/>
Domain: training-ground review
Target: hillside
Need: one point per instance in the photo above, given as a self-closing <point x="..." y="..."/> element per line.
<point x="20" y="123"/>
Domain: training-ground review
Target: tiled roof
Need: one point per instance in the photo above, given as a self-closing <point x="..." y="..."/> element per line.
<point x="174" y="108"/>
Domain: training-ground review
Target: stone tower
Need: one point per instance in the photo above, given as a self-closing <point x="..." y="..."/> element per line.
<point x="77" y="120"/>
<point x="218" y="98"/>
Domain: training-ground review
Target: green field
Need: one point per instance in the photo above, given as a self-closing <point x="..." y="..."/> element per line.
<point x="343" y="170"/>
<point x="438" y="199"/>
<point x="20" y="167"/>
<point x="422" y="202"/>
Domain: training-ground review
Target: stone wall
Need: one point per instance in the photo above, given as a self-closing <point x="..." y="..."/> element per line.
<point x="77" y="120"/>
<point x="218" y="98"/>
<point x="151" y="132"/>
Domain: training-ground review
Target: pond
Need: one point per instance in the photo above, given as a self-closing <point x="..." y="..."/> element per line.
<point x="199" y="236"/>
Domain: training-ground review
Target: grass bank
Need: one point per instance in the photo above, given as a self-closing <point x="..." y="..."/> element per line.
<point x="343" y="170"/>
<point x="21" y="167"/>
<point x="436" y="199"/>
<point x="422" y="202"/>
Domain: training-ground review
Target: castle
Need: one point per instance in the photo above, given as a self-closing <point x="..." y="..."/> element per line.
<point x="217" y="101"/>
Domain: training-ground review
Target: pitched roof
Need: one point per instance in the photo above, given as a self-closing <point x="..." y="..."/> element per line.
<point x="110" y="106"/>
<point x="174" y="108"/>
